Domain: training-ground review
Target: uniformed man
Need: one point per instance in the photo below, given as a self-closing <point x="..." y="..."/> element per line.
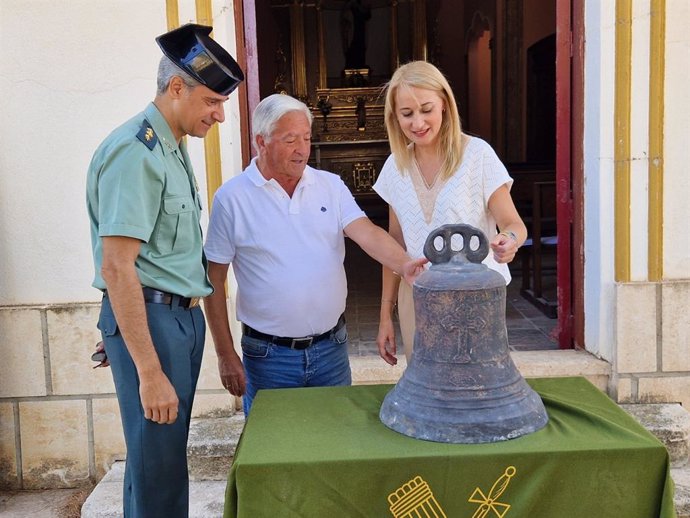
<point x="144" y="207"/>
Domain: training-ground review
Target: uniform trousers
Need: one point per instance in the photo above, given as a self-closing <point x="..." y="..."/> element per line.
<point x="156" y="480"/>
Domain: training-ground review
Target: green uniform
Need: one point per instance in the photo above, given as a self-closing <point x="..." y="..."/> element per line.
<point x="141" y="184"/>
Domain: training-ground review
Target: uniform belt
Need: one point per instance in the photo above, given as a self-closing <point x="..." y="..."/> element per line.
<point x="155" y="296"/>
<point x="293" y="343"/>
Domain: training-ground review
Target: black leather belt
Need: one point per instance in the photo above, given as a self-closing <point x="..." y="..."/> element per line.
<point x="293" y="343"/>
<point x="154" y="296"/>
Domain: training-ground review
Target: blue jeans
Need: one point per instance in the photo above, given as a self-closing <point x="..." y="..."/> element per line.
<point x="156" y="483"/>
<point x="324" y="364"/>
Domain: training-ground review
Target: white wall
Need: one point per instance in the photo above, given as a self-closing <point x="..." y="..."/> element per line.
<point x="677" y="142"/>
<point x="77" y="69"/>
<point x="601" y="301"/>
<point x="639" y="141"/>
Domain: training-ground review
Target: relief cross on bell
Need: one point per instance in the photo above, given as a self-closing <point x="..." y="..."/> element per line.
<point x="463" y="352"/>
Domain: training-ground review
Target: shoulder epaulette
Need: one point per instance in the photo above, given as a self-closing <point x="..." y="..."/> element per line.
<point x="147" y="135"/>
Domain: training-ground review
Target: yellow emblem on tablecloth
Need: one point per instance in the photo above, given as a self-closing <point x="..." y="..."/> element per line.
<point x="414" y="499"/>
<point x="489" y="502"/>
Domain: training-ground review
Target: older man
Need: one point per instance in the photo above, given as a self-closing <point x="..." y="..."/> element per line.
<point x="144" y="208"/>
<point x="281" y="224"/>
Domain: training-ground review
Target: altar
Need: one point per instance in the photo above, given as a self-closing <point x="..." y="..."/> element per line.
<point x="323" y="453"/>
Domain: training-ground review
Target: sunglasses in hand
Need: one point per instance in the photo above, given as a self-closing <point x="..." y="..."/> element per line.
<point x="100" y="356"/>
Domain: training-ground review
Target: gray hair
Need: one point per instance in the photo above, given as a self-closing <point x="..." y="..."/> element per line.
<point x="167" y="69"/>
<point x="270" y="110"/>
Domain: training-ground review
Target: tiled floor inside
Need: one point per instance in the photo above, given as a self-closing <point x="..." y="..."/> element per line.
<point x="528" y="328"/>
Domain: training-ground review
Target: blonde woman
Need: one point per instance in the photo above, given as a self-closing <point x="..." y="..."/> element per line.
<point x="436" y="175"/>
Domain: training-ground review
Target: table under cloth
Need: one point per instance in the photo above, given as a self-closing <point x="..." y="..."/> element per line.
<point x="323" y="453"/>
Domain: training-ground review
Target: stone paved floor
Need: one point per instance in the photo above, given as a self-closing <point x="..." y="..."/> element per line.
<point x="528" y="328"/>
<point x="50" y="503"/>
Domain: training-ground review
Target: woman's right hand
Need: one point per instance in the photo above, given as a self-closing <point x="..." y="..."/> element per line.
<point x="386" y="342"/>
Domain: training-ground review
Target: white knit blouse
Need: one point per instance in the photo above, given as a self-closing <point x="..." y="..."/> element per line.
<point x="462" y="198"/>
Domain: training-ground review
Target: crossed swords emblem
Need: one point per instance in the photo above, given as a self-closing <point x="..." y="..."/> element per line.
<point x="490" y="501"/>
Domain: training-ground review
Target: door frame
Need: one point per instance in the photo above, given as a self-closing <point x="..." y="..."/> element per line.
<point x="577" y="83"/>
<point x="248" y="59"/>
<point x="569" y="171"/>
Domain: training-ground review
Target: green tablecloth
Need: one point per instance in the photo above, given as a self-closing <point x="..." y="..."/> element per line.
<point x="323" y="453"/>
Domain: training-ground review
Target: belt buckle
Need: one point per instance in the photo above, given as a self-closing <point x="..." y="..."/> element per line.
<point x="295" y="341"/>
<point x="194" y="302"/>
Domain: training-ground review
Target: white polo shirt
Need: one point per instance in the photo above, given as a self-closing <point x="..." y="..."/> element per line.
<point x="287" y="253"/>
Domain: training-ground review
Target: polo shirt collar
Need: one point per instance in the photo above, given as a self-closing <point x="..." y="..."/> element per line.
<point x="308" y="176"/>
<point x="258" y="179"/>
<point x="161" y="128"/>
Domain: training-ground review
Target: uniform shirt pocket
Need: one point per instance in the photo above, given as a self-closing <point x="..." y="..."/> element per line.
<point x="176" y="219"/>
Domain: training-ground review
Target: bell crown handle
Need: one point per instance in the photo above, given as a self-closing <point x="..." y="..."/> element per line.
<point x="464" y="254"/>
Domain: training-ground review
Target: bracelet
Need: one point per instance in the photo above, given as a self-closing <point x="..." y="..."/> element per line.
<point x="509" y="234"/>
<point x="388" y="300"/>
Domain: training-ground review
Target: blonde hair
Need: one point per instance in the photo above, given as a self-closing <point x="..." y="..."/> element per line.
<point x="420" y="74"/>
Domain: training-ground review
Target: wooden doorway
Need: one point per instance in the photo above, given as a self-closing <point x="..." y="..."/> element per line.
<point x="526" y="117"/>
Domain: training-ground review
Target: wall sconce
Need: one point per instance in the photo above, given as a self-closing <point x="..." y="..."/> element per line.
<point x="324" y="107"/>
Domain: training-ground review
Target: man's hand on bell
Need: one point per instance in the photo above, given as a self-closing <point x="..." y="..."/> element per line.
<point x="413" y="268"/>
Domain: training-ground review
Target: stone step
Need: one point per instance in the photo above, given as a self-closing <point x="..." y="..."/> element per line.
<point x="211" y="446"/>
<point x="206" y="497"/>
<point x="670" y="423"/>
<point x="681" y="479"/>
<point x="372" y="370"/>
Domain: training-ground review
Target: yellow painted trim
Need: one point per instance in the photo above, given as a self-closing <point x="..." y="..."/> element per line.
<point x="657" y="63"/>
<point x="621" y="152"/>
<point x="214" y="176"/>
<point x="204" y="12"/>
<point x="172" y="14"/>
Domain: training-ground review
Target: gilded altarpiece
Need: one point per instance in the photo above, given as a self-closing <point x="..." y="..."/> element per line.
<point x="337" y="58"/>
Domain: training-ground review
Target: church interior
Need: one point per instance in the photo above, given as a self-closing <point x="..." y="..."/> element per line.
<point x="500" y="59"/>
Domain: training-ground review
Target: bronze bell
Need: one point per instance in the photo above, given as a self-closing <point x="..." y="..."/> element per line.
<point x="461" y="385"/>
